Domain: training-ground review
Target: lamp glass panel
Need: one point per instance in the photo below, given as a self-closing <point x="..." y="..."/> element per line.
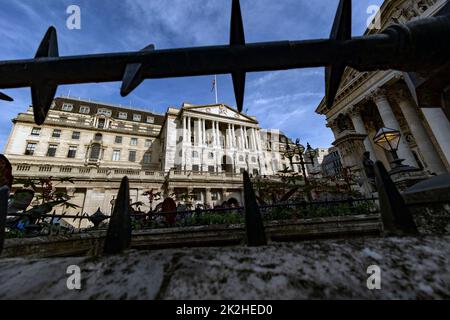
<point x="388" y="139"/>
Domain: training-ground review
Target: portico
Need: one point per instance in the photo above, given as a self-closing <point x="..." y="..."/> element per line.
<point x="415" y="105"/>
<point x="217" y="139"/>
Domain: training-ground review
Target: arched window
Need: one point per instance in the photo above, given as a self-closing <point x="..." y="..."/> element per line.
<point x="98" y="137"/>
<point x="95" y="152"/>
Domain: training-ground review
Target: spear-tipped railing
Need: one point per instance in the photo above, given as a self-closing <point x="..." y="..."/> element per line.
<point x="414" y="46"/>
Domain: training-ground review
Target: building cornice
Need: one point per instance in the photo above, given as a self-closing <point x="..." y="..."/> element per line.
<point x="28" y="119"/>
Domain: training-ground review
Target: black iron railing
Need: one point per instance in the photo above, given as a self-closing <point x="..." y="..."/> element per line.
<point x="49" y="224"/>
<point x="26" y="225"/>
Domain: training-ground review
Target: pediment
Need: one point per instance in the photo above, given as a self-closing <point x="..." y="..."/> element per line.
<point x="220" y="110"/>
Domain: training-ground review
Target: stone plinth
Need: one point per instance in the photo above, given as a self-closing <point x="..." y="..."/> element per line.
<point x="429" y="202"/>
<point x="405" y="179"/>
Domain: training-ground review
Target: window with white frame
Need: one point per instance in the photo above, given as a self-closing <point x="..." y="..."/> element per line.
<point x="72" y="152"/>
<point x="36" y="132"/>
<point x="56" y="133"/>
<point x="137" y="117"/>
<point x="150" y="119"/>
<point x="101" y="123"/>
<point x="134" y="142"/>
<point x="123" y="115"/>
<point x="51" y="152"/>
<point x="147" y="158"/>
<point x="76" y="135"/>
<point x="148" y="143"/>
<point x="116" y="155"/>
<point x="85" y="110"/>
<point x="104" y="112"/>
<point x="95" y="152"/>
<point x="132" y="156"/>
<point x="67" y="107"/>
<point x="30" y="149"/>
<point x="215" y="196"/>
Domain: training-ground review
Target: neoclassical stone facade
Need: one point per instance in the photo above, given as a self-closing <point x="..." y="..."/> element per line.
<point x="199" y="150"/>
<point x="415" y="104"/>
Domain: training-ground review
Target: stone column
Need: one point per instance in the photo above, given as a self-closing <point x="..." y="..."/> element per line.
<point x="198" y="136"/>
<point x="216" y="144"/>
<point x="208" y="196"/>
<point x="189" y="131"/>
<point x="258" y="140"/>
<point x="245" y="138"/>
<point x="234" y="137"/>
<point x="231" y="136"/>
<point x="219" y="137"/>
<point x="440" y="126"/>
<point x="184" y="130"/>
<point x="205" y="138"/>
<point x="433" y="161"/>
<point x="389" y="120"/>
<point x="255" y="144"/>
<point x="224" y="194"/>
<point x="242" y="138"/>
<point x="360" y="128"/>
<point x="228" y="139"/>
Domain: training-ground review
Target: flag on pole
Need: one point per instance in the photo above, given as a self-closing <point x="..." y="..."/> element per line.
<point x="213" y="84"/>
<point x="214" y="88"/>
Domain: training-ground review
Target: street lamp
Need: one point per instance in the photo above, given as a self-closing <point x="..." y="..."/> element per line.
<point x="310" y="153"/>
<point x="299" y="150"/>
<point x="389" y="140"/>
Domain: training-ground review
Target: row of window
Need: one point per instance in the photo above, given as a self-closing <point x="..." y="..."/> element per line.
<point x="195" y="154"/>
<point x="106" y="112"/>
<point x="98" y="137"/>
<point x="56" y="133"/>
<point x="212" y="169"/>
<point x="94" y="154"/>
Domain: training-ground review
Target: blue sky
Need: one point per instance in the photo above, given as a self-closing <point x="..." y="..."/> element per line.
<point x="284" y="100"/>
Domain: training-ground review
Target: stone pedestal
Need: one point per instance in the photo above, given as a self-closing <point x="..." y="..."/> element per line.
<point x="406" y="179"/>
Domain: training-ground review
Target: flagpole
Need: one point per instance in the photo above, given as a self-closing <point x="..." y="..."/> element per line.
<point x="217" y="96"/>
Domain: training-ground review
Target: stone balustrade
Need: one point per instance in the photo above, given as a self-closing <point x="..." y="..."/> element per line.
<point x="93" y="173"/>
<point x="82" y="172"/>
<point x="205" y="176"/>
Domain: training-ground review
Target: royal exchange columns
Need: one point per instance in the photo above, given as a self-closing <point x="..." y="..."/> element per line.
<point x="426" y="147"/>
<point x="389" y="120"/>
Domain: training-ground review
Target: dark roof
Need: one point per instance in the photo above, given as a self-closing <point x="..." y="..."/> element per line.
<point x="94" y="106"/>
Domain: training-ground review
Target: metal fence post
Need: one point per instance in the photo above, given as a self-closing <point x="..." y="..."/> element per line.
<point x="253" y="221"/>
<point x="4" y="195"/>
<point x="118" y="237"/>
<point x="397" y="219"/>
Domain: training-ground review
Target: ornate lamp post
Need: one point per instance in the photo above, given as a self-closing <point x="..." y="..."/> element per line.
<point x="302" y="152"/>
<point x="309" y="153"/>
<point x="389" y="140"/>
